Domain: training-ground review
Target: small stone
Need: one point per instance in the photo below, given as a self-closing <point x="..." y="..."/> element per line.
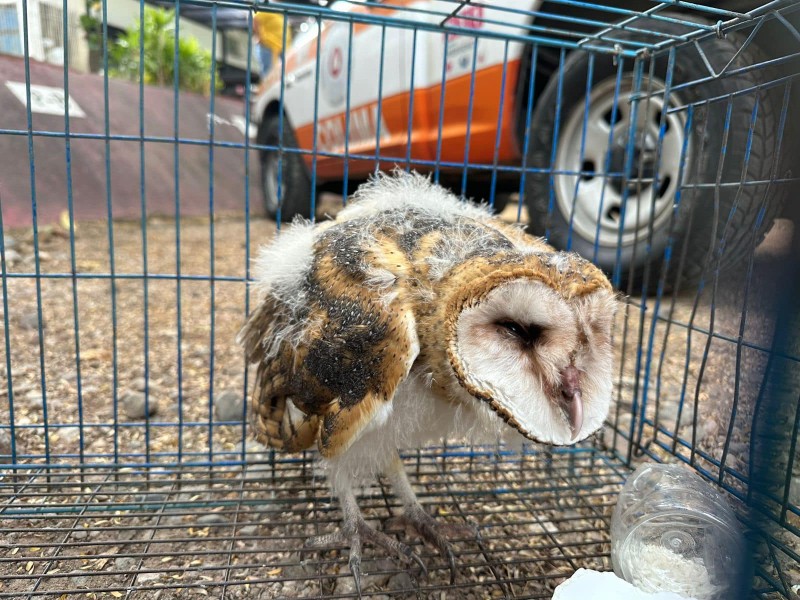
<point x="258" y="472"/>
<point x="140" y="383"/>
<point x="229" y="406"/>
<point x="80" y="581"/>
<point x="80" y="534"/>
<point x="5" y="446"/>
<point x="145" y="577"/>
<point x="30" y="320"/>
<point x="400" y="581"/>
<point x="124" y="563"/>
<point x="151" y="499"/>
<point x="668" y="414"/>
<point x="12" y="256"/>
<point x="135" y="405"/>
<point x="374" y="575"/>
<point x="248" y="530"/>
<point x="34" y="399"/>
<point x="211" y="519"/>
<point x="70" y="434"/>
<point x="707" y="429"/>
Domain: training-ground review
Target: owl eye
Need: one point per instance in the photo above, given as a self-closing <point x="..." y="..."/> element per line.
<point x="528" y="334"/>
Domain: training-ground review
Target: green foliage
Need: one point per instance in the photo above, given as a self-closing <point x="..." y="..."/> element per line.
<point x="194" y="62"/>
<point x="93" y="28"/>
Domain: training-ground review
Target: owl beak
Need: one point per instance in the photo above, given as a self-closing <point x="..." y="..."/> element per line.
<point x="571" y="401"/>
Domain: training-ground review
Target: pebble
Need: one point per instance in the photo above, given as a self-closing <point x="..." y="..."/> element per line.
<point x="124" y="563"/>
<point x="80" y="581"/>
<point x="133" y="404"/>
<point x="30" y="320"/>
<point x="34" y="399"/>
<point x="5" y="446"/>
<point x="80" y="534"/>
<point x="668" y="413"/>
<point x="249" y="530"/>
<point x="228" y="406"/>
<point x="150" y="499"/>
<point x="12" y="256"/>
<point x="706" y="429"/>
<point x="257" y="472"/>
<point x="69" y="434"/>
<point x="400" y="581"/>
<point x="374" y="575"/>
<point x="140" y="383"/>
<point x="211" y="519"/>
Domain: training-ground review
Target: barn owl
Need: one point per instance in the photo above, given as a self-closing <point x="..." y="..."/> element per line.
<point x="413" y="317"/>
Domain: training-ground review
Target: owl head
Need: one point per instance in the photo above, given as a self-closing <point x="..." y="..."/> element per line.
<point x="531" y="338"/>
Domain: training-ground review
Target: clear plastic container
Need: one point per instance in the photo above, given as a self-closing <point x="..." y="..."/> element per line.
<point x="672" y="531"/>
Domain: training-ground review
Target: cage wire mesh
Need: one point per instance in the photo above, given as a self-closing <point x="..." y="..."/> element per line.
<point x="657" y="140"/>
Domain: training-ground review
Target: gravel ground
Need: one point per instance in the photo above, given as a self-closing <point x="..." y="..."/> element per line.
<point x="77" y="408"/>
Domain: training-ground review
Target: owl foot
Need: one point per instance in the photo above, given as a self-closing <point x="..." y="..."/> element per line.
<point x="352" y="534"/>
<point x="435" y="533"/>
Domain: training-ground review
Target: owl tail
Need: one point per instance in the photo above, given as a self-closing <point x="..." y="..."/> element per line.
<point x="279" y="424"/>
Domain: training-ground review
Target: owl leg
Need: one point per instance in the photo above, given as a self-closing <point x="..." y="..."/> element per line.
<point x="353" y="532"/>
<point x="414" y="515"/>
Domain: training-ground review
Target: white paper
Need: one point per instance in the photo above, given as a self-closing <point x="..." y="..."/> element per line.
<point x="586" y="584"/>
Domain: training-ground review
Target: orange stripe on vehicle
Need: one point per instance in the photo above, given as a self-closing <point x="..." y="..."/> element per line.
<point x="394" y="118"/>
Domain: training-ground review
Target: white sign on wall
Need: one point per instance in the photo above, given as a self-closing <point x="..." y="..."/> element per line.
<point x="45" y="99"/>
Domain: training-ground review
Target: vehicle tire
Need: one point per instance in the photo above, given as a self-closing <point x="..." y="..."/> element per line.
<point x="295" y="183"/>
<point x="710" y="222"/>
<point x="500" y="202"/>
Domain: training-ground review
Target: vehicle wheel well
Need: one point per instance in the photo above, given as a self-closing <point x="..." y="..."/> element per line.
<point x="273" y="108"/>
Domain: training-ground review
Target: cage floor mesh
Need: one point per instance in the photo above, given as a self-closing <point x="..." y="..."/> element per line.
<point x="236" y="532"/>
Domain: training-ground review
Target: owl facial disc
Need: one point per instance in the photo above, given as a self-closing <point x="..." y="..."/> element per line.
<point x="533" y="356"/>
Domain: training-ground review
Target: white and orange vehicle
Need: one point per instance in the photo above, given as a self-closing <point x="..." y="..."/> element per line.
<point x="447" y="88"/>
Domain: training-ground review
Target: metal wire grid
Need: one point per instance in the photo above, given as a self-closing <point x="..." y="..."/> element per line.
<point x="646" y="432"/>
<point x="231" y="532"/>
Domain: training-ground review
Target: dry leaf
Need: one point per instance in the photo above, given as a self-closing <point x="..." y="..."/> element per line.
<point x="117" y="594"/>
<point x="273" y="572"/>
<point x="63" y="220"/>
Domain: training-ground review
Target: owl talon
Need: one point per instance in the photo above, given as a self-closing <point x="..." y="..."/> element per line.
<point x="353" y="535"/>
<point x="434" y="533"/>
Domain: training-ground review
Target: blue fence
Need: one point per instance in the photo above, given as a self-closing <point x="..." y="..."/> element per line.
<point x="656" y="138"/>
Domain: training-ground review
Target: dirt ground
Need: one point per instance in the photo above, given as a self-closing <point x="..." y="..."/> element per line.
<point x="174" y="340"/>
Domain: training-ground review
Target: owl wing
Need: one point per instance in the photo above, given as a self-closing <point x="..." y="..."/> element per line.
<point x="276" y="422"/>
<point x="355" y="350"/>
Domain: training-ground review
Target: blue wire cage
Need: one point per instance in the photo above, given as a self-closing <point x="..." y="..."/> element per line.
<point x="656" y="138"/>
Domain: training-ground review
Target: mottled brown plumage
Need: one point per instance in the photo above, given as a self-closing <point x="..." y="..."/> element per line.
<point x="413" y="317"/>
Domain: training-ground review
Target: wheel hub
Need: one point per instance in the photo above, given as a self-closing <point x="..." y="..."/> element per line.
<point x="608" y="194"/>
<point x="642" y="166"/>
